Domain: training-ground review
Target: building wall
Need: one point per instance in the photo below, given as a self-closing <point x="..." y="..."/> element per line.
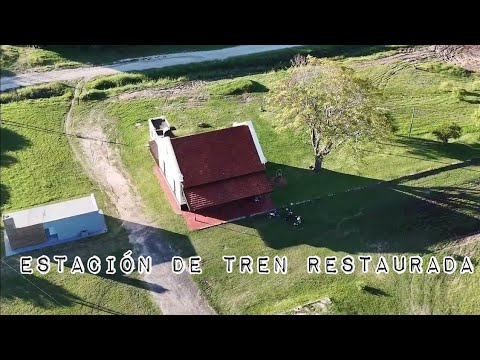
<point x="71" y="228"/>
<point x="151" y="130"/>
<point x="26" y="236"/>
<point x="167" y="163"/>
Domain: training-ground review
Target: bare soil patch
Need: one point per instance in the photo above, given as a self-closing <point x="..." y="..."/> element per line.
<point x="466" y="56"/>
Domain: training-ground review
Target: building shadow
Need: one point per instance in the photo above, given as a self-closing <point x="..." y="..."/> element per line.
<point x="41" y="292"/>
<point x="10" y="141"/>
<point x="372" y="216"/>
<point x="161" y="244"/>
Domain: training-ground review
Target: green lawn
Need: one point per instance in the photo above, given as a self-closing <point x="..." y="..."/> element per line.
<point x="403" y="218"/>
<point x="37" y="167"/>
<point x="415" y="216"/>
<point x="17" y="59"/>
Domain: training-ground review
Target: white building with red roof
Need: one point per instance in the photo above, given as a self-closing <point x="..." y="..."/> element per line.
<point x="213" y="168"/>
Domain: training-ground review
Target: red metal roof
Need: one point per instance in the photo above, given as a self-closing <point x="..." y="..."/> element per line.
<point x="228" y="190"/>
<point x="216" y="155"/>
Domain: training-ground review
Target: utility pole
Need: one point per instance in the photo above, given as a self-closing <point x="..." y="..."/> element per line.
<point x="411" y="123"/>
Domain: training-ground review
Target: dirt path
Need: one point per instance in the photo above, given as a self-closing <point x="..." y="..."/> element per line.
<point x="173" y="293"/>
<point x="151" y="62"/>
<point x="466" y="56"/>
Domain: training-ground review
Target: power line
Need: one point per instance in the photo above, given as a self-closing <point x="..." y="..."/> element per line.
<point x="56" y="132"/>
<point x="43" y="291"/>
<point x="81" y="302"/>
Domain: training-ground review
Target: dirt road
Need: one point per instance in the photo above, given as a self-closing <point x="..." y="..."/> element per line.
<point x="173" y="293"/>
<point x="151" y="62"/>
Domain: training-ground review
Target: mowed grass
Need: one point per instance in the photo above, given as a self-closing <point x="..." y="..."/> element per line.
<point x="37" y="167"/>
<point x="17" y="59"/>
<point x="411" y="217"/>
<point x="407" y="88"/>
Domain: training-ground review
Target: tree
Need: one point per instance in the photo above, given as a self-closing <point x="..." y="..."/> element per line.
<point x="447" y="132"/>
<point x="329" y="102"/>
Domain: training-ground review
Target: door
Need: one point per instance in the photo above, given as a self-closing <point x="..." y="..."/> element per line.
<point x="51" y="234"/>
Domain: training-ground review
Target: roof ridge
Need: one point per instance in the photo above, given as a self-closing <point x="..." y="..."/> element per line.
<point x="206" y="132"/>
<point x="233" y="178"/>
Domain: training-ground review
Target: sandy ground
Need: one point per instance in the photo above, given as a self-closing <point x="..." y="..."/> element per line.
<point x="173" y="293"/>
<point x="151" y="62"/>
<point x="190" y="88"/>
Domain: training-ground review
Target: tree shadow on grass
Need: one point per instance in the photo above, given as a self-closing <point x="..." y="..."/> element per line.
<point x="429" y="149"/>
<point x="258" y="87"/>
<point x="10" y="141"/>
<point x="385" y="217"/>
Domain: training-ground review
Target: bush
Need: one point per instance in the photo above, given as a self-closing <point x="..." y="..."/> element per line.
<point x="237" y="87"/>
<point x="93" y="95"/>
<point x="34" y="92"/>
<point x="102" y="84"/>
<point x="447" y="132"/>
<point x="114" y="81"/>
<point x="444" y="68"/>
<point x="39" y="57"/>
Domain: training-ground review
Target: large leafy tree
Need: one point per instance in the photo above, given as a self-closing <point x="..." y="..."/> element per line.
<point x="331" y="103"/>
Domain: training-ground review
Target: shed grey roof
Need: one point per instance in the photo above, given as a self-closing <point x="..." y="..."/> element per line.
<point x="52" y="212"/>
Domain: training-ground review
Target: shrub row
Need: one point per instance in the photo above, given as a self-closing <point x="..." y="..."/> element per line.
<point x="113" y="81"/>
<point x="93" y="95"/>
<point x="34" y="92"/>
<point x="237" y="87"/>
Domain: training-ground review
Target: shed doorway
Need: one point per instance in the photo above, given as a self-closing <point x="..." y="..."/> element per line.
<point x="51" y="234"/>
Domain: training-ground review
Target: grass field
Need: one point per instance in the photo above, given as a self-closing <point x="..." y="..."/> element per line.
<point x="37" y="167"/>
<point x="402" y="218"/>
<point x="421" y="215"/>
<point x="17" y="59"/>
